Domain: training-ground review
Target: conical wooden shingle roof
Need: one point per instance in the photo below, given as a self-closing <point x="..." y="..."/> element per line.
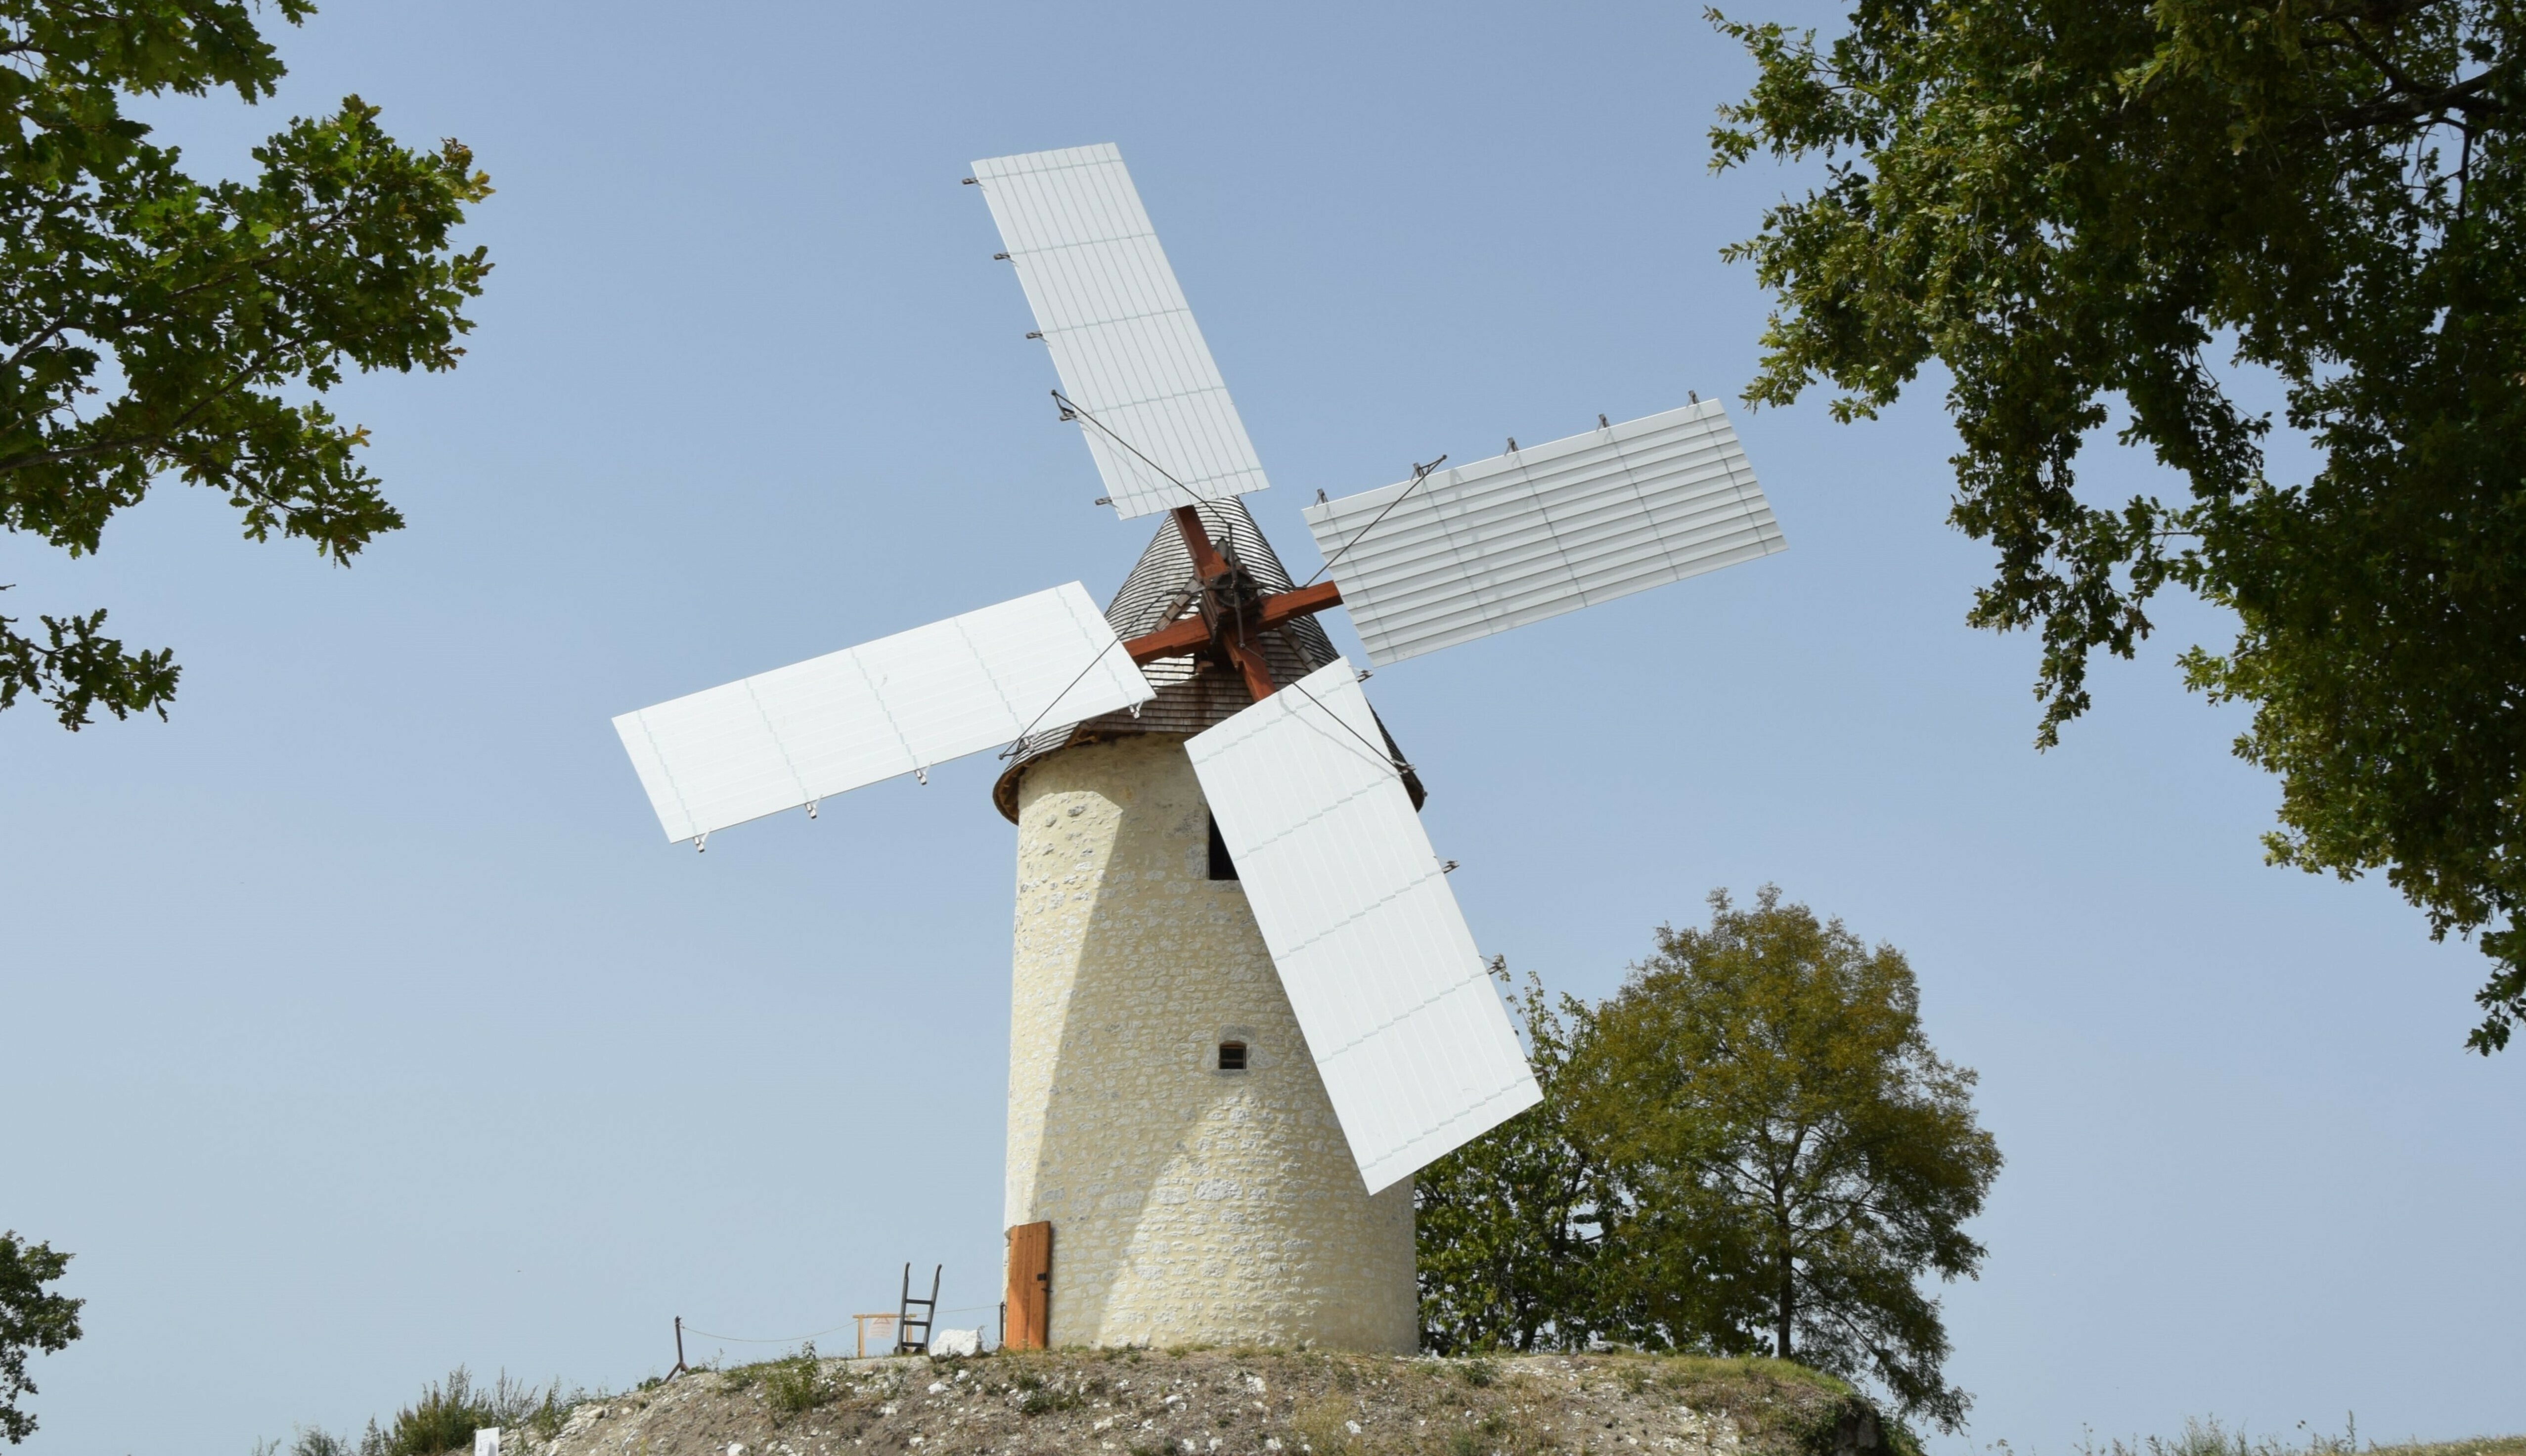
<point x="1193" y="694"/>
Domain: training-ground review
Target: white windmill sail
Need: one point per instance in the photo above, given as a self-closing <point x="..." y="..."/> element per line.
<point x="897" y="705"/>
<point x="1125" y="344"/>
<point x="1398" y="1009"/>
<point x="1547" y="530"/>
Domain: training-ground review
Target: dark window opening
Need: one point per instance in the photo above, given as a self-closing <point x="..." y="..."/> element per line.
<point x="1221" y="865"/>
<point x="1231" y="1055"/>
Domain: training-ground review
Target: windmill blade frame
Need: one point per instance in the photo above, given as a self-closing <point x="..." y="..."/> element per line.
<point x="1133" y="362"/>
<point x="1527" y="535"/>
<point x="896" y="705"/>
<point x="1398" y="1007"/>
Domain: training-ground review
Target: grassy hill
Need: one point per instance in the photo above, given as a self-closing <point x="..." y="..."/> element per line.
<point x="1209" y="1402"/>
<point x="1145" y="1403"/>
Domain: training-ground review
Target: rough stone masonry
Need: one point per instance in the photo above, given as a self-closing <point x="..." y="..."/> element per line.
<point x="1189" y="1203"/>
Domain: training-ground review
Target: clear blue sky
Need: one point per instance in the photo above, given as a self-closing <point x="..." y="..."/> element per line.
<point x="359" y="1022"/>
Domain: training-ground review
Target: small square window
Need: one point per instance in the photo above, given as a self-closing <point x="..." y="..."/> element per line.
<point x="1231" y="1055"/>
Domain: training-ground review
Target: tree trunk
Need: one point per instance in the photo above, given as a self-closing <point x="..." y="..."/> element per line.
<point x="1789" y="1307"/>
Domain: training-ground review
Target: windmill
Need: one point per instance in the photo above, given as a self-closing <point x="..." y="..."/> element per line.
<point x="1247" y="1007"/>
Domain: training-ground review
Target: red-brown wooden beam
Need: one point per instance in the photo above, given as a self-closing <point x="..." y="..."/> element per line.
<point x="1191" y="634"/>
<point x="1306" y="601"/>
<point x="1174" y="639"/>
<point x="1194" y="633"/>
<point x="1205" y="556"/>
<point x="1211" y="566"/>
<point x="1248" y="658"/>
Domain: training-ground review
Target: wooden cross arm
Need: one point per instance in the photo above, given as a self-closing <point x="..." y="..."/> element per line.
<point x="1191" y="634"/>
<point x="1205" y="556"/>
<point x="1172" y="640"/>
<point x="1306" y="601"/>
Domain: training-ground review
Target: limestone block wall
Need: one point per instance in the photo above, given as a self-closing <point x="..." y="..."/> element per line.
<point x="1187" y="1203"/>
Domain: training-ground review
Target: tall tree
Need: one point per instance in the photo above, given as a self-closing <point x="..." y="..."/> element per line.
<point x="1785" y="1154"/>
<point x="33" y="1319"/>
<point x="2075" y="206"/>
<point x="155" y="324"/>
<point x="1504" y="1224"/>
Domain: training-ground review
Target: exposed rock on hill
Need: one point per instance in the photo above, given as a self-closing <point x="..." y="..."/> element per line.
<point x="1145" y="1403"/>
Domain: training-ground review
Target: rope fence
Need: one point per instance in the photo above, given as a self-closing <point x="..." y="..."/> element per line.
<point x="888" y="1321"/>
<point x="791" y="1339"/>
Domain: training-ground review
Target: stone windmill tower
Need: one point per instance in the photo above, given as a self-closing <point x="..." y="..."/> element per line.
<point x="1164" y="1114"/>
<point x="1245" y="1004"/>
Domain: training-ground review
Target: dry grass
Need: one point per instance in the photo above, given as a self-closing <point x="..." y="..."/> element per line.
<point x="1327" y="1426"/>
<point x="2210" y="1436"/>
<point x="2481" y="1445"/>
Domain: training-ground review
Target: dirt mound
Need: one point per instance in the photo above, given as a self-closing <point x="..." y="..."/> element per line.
<point x="1151" y="1403"/>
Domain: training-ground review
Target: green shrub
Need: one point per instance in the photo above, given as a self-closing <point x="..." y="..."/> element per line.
<point x="1038" y="1402"/>
<point x="798" y="1384"/>
<point x="450" y="1412"/>
<point x="444" y="1419"/>
<point x="739" y="1377"/>
<point x="549" y="1415"/>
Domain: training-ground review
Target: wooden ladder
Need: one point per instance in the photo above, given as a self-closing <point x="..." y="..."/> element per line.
<point x="906" y="1340"/>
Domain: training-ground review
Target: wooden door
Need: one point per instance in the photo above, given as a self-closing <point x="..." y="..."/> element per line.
<point x="1029" y="1294"/>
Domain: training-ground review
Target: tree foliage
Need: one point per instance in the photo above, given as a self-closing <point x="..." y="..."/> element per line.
<point x="33" y="1319"/>
<point x="1505" y="1222"/>
<point x="1752" y="1147"/>
<point x="1788" y="1155"/>
<point x="158" y="324"/>
<point x="2075" y="206"/>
